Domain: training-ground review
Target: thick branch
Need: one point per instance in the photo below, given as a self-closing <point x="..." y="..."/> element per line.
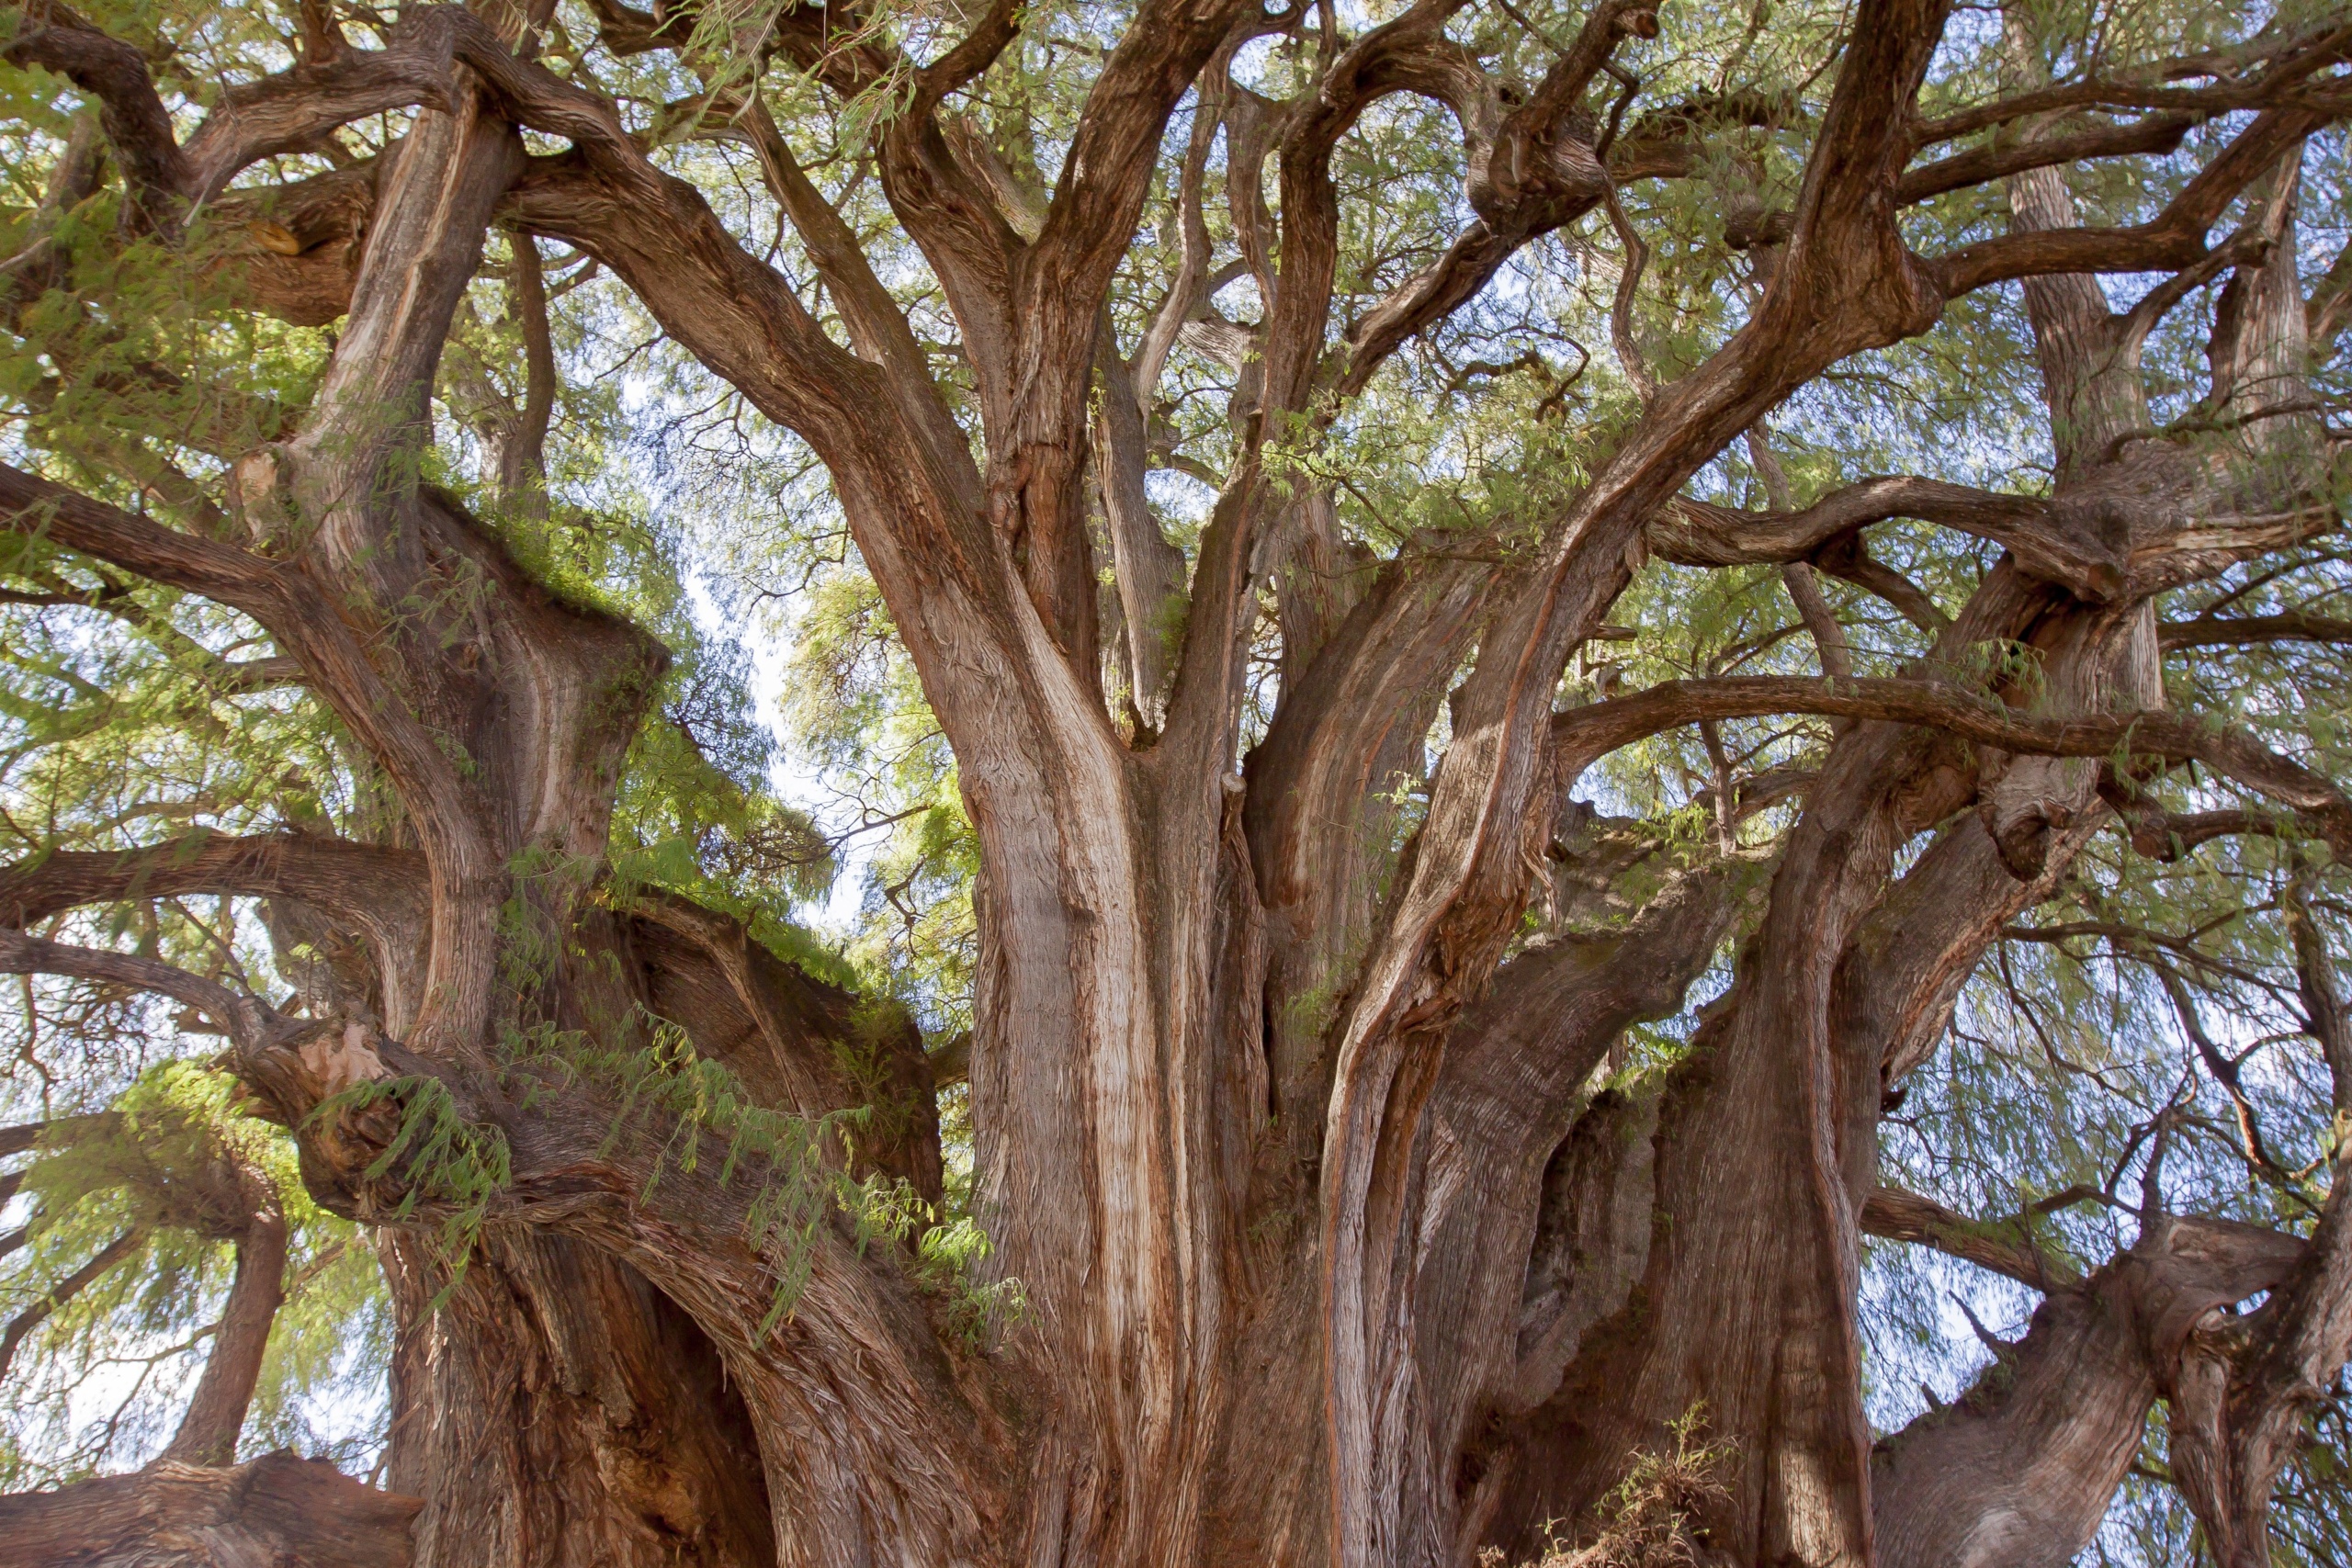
<point x="522" y="453"/>
<point x="12" y="1338"/>
<point x="877" y="327"/>
<point x="2158" y="133"/>
<point x="2073" y="545"/>
<point x="2219" y="631"/>
<point x="284" y="113"/>
<point x="216" y="1411"/>
<point x="251" y="1024"/>
<point x="1847" y="282"/>
<point x="377" y="890"/>
<point x="2285" y="62"/>
<point x="2174" y="238"/>
<point x="1898" y="1215"/>
<point x="2027" y="1461"/>
<point x="276" y="1509"/>
<point x="1585" y="735"/>
<point x="1532" y="172"/>
<point x="49" y="34"/>
<point x="29" y="504"/>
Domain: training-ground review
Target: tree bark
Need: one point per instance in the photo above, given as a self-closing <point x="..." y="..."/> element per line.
<point x="1334" y="1251"/>
<point x="216" y="1411"/>
<point x="2021" y="1467"/>
<point x="275" y="1509"/>
<point x="559" y="1412"/>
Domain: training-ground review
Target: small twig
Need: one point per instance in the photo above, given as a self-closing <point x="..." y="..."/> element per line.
<point x="2000" y="1348"/>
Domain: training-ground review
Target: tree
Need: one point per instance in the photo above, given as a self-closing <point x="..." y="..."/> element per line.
<point x="1334" y="724"/>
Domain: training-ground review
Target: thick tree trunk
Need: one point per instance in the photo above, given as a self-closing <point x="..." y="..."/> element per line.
<point x="559" y="1412"/>
<point x="1333" y="1253"/>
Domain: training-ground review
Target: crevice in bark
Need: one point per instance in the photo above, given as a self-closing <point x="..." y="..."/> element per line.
<point x="1270" y="1114"/>
<point x="559" y="1412"/>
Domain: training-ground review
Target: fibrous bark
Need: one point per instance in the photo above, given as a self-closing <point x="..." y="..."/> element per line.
<point x="1338" y="1240"/>
<point x="277" y="1508"/>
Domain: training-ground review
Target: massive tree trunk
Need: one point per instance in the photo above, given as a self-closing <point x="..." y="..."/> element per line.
<point x="1334" y="1250"/>
<point x="560" y="1410"/>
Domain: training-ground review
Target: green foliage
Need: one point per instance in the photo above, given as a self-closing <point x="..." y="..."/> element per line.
<point x="851" y="704"/>
<point x="99" y="1381"/>
<point x="798" y="1167"/>
<point x="950" y="1259"/>
<point x="434" y="1156"/>
<point x="793" y="775"/>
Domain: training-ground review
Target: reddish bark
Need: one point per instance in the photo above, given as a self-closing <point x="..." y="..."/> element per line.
<point x="1329" y="1257"/>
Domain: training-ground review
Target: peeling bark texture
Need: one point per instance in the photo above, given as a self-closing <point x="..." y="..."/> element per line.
<point x="1355" y="1216"/>
<point x="2019" y="1470"/>
<point x="275" y="1509"/>
<point x="567" y="1412"/>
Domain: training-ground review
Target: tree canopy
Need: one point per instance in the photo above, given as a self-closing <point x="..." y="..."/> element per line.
<point x="1172" y="782"/>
